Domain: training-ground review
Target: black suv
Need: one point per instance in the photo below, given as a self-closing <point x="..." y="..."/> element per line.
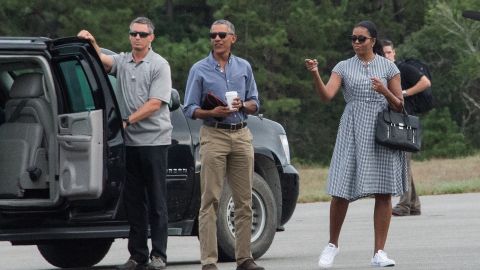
<point x="62" y="159"/>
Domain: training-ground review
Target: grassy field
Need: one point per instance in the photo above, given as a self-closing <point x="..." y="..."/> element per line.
<point x="436" y="176"/>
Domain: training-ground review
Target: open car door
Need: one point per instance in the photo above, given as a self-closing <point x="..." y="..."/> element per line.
<point x="80" y="120"/>
<point x="80" y="148"/>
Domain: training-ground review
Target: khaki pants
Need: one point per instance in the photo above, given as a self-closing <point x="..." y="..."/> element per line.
<point x="409" y="202"/>
<point x="225" y="153"/>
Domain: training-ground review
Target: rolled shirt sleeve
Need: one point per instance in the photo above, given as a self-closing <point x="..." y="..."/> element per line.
<point x="193" y="93"/>
<point x="251" y="89"/>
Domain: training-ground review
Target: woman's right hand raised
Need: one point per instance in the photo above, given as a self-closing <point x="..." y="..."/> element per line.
<point x="311" y="65"/>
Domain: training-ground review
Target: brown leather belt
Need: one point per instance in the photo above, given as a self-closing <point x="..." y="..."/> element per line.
<point x="236" y="126"/>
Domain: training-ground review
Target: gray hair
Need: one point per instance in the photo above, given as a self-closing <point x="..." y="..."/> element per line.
<point x="230" y="25"/>
<point x="144" y="20"/>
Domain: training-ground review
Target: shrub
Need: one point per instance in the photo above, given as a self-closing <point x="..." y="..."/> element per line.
<point x="442" y="137"/>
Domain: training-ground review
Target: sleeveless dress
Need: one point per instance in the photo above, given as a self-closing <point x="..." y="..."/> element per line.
<point x="359" y="166"/>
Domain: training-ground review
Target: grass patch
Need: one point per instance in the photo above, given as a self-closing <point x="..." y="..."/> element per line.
<point x="450" y="187"/>
<point x="431" y="177"/>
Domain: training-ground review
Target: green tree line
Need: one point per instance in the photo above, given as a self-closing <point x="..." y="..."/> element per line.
<point x="276" y="36"/>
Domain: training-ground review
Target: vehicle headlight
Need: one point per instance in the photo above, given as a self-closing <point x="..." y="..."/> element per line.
<point x="284" y="140"/>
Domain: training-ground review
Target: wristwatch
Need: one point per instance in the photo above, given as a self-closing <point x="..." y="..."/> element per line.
<point x="127" y="122"/>
<point x="404" y="93"/>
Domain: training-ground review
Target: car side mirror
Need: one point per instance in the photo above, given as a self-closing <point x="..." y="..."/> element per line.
<point x="174" y="100"/>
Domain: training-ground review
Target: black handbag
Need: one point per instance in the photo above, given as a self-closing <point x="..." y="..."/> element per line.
<point x="398" y="130"/>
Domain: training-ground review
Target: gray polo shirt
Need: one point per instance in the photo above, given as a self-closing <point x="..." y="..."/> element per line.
<point x="151" y="78"/>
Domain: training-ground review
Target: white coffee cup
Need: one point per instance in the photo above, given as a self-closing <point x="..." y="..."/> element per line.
<point x="230" y="95"/>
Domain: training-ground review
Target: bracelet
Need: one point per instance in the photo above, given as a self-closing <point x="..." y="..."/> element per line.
<point x="404" y="93"/>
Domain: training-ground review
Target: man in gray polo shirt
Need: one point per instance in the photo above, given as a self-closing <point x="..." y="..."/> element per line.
<point x="144" y="79"/>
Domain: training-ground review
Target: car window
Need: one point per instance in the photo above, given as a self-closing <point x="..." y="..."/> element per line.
<point x="118" y="96"/>
<point x="78" y="90"/>
<point x="7" y="76"/>
<point x="9" y="70"/>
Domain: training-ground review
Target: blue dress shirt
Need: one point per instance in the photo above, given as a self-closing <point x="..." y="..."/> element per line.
<point x="206" y="76"/>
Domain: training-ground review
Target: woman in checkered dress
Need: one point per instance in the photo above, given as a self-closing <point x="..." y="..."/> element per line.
<point x="360" y="167"/>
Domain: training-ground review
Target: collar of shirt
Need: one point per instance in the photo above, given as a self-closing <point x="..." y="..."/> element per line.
<point x="213" y="62"/>
<point x="147" y="57"/>
<point x="368" y="62"/>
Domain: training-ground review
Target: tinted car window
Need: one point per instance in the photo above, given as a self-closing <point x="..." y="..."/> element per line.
<point x="79" y="92"/>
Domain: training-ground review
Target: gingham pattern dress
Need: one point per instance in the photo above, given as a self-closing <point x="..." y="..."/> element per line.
<point x="360" y="167"/>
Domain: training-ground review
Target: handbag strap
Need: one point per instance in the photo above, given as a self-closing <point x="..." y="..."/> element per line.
<point x="406" y="120"/>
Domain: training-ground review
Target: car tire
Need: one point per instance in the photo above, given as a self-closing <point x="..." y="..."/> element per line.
<point x="268" y="170"/>
<point x="75" y="253"/>
<point x="264" y="221"/>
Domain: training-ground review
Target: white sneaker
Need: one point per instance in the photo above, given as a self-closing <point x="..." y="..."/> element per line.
<point x="381" y="260"/>
<point x="328" y="255"/>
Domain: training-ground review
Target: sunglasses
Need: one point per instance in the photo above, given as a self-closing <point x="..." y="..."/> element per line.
<point x="361" y="39"/>
<point x="222" y="35"/>
<point x="141" y="34"/>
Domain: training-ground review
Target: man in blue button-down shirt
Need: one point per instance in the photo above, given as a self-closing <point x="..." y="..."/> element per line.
<point x="225" y="142"/>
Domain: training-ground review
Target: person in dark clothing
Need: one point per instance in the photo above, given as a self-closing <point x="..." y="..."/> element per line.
<point x="413" y="82"/>
<point x="144" y="79"/>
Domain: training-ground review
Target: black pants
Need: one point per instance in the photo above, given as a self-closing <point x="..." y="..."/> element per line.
<point x="145" y="196"/>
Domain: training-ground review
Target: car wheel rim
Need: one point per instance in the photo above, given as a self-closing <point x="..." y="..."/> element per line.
<point x="258" y="216"/>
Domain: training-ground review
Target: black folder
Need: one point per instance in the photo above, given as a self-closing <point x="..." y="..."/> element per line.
<point x="212" y="101"/>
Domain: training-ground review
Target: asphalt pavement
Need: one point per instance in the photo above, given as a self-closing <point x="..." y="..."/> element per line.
<point x="445" y="236"/>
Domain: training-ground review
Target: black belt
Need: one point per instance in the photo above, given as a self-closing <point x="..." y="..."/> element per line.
<point x="226" y="126"/>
